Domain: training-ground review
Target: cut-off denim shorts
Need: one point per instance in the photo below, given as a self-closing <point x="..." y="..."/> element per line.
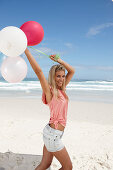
<point x="52" y="139"/>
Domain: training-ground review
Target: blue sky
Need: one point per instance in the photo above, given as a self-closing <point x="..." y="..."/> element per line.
<point x="80" y="31"/>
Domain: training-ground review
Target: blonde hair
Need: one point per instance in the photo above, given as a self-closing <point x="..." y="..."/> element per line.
<point x="51" y="79"/>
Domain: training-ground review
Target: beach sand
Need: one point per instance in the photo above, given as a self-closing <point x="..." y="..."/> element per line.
<point x="12" y="161"/>
<point x="88" y="135"/>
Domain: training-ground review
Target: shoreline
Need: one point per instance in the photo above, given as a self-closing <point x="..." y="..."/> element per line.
<point x="83" y="96"/>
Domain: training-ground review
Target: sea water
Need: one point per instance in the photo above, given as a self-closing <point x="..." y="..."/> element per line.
<point x="79" y="90"/>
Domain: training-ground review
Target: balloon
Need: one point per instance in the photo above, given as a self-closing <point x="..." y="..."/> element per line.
<point x="14" y="69"/>
<point x="34" y="32"/>
<point x="13" y="41"/>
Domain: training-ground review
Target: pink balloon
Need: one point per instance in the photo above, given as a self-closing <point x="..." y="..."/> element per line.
<point x="14" y="69"/>
<point x="33" y="31"/>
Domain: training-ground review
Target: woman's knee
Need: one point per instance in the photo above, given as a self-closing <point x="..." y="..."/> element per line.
<point x="43" y="167"/>
<point x="68" y="166"/>
<point x="48" y="165"/>
<point x="71" y="166"/>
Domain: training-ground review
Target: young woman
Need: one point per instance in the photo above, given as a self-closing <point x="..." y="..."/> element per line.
<point x="55" y="97"/>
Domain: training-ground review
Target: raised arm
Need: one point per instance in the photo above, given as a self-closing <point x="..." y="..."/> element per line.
<point x="68" y="67"/>
<point x="38" y="71"/>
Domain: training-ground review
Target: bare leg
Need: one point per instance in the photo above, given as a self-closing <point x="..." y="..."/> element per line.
<point x="46" y="160"/>
<point x="63" y="157"/>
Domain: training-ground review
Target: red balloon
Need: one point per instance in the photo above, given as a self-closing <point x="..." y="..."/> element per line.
<point x="33" y="31"/>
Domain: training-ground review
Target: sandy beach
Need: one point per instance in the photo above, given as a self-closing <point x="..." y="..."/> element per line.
<point x="88" y="135"/>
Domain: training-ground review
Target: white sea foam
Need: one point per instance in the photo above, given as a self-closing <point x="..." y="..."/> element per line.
<point x="80" y="85"/>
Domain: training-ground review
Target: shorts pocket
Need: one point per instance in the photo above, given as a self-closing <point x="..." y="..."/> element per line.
<point x="46" y="140"/>
<point x="57" y="141"/>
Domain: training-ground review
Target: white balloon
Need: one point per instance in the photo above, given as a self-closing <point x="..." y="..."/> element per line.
<point x="13" y="41"/>
<point x="14" y="69"/>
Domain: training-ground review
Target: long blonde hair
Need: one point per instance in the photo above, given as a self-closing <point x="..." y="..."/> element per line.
<point x="51" y="79"/>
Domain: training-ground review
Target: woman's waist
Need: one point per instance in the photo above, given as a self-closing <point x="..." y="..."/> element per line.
<point x="57" y="122"/>
<point x="59" y="126"/>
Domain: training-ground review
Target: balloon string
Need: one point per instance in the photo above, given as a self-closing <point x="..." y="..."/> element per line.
<point x="39" y="51"/>
<point x="56" y="57"/>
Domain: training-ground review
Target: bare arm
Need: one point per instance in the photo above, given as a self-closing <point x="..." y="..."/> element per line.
<point x="70" y="70"/>
<point x="38" y="71"/>
<point x="68" y="67"/>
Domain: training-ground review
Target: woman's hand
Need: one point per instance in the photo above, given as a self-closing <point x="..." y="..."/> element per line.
<point x="55" y="58"/>
<point x="26" y="51"/>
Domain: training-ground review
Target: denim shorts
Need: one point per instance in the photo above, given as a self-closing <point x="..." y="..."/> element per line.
<point x="52" y="139"/>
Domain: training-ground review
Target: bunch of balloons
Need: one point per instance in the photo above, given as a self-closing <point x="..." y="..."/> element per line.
<point x="13" y="42"/>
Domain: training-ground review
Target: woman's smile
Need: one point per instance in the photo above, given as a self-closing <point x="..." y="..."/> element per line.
<point x="59" y="78"/>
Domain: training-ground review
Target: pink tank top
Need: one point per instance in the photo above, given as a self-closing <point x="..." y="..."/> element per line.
<point x="58" y="109"/>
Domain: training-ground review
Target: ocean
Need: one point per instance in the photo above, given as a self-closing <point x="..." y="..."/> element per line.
<point x="79" y="90"/>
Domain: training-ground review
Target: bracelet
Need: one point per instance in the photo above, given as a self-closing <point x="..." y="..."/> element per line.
<point x="56" y="57"/>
